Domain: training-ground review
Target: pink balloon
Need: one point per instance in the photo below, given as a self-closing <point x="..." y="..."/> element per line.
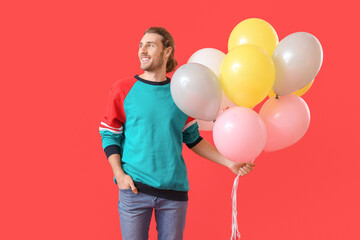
<point x="239" y="134"/>
<point x="287" y="120"/>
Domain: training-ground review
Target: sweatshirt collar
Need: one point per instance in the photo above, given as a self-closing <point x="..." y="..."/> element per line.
<point x="152" y="82"/>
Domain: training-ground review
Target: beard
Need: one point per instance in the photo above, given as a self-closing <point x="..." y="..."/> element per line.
<point x="156" y="64"/>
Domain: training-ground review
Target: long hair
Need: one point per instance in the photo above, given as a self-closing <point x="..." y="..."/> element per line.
<point x="167" y="41"/>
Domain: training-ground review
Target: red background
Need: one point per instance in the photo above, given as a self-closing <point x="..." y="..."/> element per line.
<point x="58" y="61"/>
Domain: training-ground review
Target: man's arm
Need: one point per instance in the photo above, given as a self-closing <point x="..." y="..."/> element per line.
<point x="208" y="151"/>
<point x="112" y="133"/>
<point x="124" y="181"/>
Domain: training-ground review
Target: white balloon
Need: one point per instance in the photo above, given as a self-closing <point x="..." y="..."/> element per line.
<point x="225" y="104"/>
<point x="211" y="58"/>
<point x="297" y="59"/>
<point x="196" y="91"/>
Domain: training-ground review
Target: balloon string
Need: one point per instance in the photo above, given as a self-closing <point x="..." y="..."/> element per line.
<point x="235" y="229"/>
<point x="235" y="232"/>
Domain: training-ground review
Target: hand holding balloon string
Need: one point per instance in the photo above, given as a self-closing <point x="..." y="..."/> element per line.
<point x="241" y="168"/>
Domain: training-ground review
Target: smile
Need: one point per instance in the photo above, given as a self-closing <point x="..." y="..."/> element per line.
<point x="145" y="59"/>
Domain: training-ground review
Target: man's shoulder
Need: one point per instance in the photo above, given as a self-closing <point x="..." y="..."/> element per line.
<point x="123" y="86"/>
<point x="124" y="82"/>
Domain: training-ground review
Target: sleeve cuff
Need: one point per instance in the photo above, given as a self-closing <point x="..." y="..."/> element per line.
<point x="112" y="149"/>
<point x="191" y="145"/>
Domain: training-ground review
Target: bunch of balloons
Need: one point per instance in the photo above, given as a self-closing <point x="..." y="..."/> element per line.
<point x="220" y="90"/>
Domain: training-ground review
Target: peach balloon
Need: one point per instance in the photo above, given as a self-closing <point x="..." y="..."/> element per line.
<point x="287" y="120"/>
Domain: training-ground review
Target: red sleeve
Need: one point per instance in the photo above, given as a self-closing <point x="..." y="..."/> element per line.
<point x="115" y="115"/>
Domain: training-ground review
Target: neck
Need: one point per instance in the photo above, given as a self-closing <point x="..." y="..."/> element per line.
<point x="156" y="76"/>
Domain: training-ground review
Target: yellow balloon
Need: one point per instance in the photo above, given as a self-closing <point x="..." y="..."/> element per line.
<point x="254" y="31"/>
<point x="247" y="75"/>
<point x="299" y="92"/>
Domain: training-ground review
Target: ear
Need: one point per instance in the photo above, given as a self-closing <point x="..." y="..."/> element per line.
<point x="168" y="51"/>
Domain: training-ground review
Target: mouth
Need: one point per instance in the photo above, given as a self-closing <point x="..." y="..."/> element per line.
<point x="145" y="59"/>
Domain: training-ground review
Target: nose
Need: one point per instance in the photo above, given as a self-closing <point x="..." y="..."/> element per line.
<point x="143" y="50"/>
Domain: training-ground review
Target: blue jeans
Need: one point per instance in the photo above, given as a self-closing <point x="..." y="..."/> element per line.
<point x="135" y="212"/>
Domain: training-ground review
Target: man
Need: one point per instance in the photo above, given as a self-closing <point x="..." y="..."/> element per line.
<point x="142" y="134"/>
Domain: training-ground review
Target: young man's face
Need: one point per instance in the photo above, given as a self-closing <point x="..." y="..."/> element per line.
<point x="151" y="52"/>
